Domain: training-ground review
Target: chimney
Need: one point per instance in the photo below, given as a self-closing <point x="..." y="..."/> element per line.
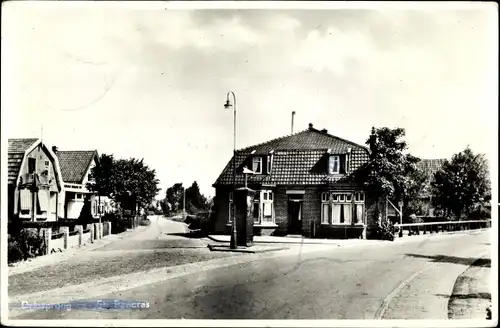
<point x="310" y="125"/>
<point x="324" y="131"/>
<point x="293" y="115"/>
<point x="54" y="149"/>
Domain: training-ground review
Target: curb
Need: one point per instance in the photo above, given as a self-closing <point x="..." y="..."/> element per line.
<point x="225" y="248"/>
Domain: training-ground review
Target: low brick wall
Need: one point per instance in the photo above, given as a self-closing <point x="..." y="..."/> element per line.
<point x="86" y="238"/>
<point x="74" y="241"/>
<point x="57" y="245"/>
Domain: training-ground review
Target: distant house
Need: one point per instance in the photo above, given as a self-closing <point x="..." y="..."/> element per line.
<point x="34" y="181"/>
<point x="301" y="183"/>
<point x="429" y="167"/>
<point x="76" y="166"/>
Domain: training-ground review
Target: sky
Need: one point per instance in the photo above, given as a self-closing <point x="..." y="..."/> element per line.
<point x="150" y="81"/>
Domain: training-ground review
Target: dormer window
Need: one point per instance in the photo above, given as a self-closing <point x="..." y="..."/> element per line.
<point x="334" y="164"/>
<point x="257" y="165"/>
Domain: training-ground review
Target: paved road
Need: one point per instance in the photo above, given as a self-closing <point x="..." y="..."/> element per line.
<point x="159" y="245"/>
<point x="397" y="281"/>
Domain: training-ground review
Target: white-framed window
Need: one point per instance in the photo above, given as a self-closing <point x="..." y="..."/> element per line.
<point x="359" y="204"/>
<point x="267" y="206"/>
<point x="257" y="164"/>
<point x="334" y="164"/>
<point x="342" y="207"/>
<point x="325" y="207"/>
<point x="262" y="207"/>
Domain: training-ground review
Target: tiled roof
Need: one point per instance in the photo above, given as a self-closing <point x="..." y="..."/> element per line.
<point x="309" y="139"/>
<point x="430" y="166"/>
<point x="16" y="150"/>
<point x="299" y="159"/>
<point x="74" y="164"/>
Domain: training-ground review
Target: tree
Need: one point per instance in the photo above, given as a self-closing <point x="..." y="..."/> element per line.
<point x="390" y="170"/>
<point x="102" y="176"/>
<point x="174" y="197"/>
<point x="128" y="182"/>
<point x="197" y="201"/>
<point x="461" y="184"/>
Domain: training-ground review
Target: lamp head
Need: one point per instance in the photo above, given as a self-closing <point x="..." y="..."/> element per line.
<point x="228" y="104"/>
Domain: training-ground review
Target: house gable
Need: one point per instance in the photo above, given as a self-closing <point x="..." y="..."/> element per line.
<point x="76" y="165"/>
<point x="19" y="152"/>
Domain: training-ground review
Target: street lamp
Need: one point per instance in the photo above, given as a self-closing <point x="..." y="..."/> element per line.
<point x="227" y="105"/>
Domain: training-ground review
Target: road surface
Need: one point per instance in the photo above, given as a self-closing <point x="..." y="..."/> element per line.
<point x="408" y="280"/>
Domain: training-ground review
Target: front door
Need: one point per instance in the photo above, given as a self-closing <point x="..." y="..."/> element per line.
<point x="294" y="217"/>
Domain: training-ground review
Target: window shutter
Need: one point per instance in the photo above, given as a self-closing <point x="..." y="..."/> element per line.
<point x="342" y="160"/>
<point x="264" y="164"/>
<point x="26" y="199"/>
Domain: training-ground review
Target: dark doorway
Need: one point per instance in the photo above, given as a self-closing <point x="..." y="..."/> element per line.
<point x="294" y="216"/>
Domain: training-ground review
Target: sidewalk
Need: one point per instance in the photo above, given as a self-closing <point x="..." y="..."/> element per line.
<point x="343" y="242"/>
<point x="54" y="258"/>
<point x="296" y="240"/>
<point x="472" y="292"/>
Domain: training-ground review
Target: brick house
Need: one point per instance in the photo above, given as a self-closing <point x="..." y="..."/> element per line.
<point x="301" y="186"/>
<point x="34" y="181"/>
<point x="76" y="166"/>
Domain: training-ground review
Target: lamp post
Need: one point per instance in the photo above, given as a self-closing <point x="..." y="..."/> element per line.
<point x="233" y="243"/>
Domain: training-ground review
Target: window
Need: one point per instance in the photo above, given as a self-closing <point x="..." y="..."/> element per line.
<point x="338" y="208"/>
<point x="325" y="206"/>
<point x="359" y="207"/>
<point x="334" y="164"/>
<point x="267" y="206"/>
<point x="257" y="165"/>
<point x="360" y="197"/>
<point x="47" y="164"/>
<point x="31" y="165"/>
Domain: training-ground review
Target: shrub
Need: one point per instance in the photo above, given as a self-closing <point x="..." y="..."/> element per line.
<point x="144" y="222"/>
<point x="15" y="253"/>
<point x="118" y="223"/>
<point x="203" y="221"/>
<point x="31" y="242"/>
<point x="480" y="212"/>
<point x="382" y="231"/>
<point x="26" y="244"/>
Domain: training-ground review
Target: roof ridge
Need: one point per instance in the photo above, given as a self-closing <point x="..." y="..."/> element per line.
<point x="339" y="138"/>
